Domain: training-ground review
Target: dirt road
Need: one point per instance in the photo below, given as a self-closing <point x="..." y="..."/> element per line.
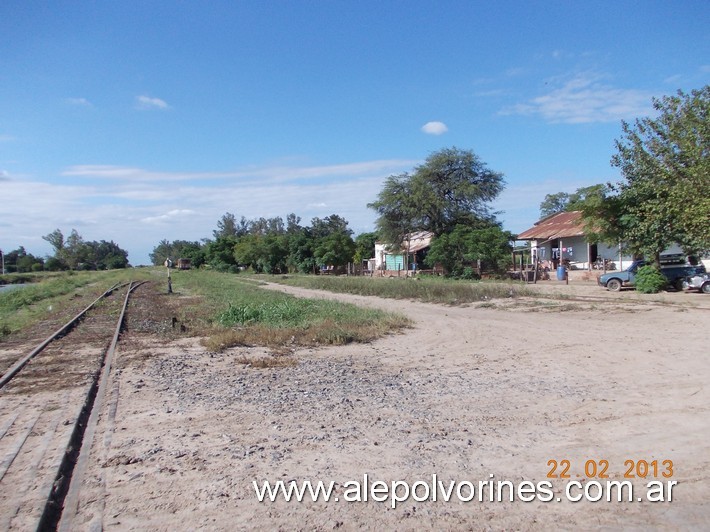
<point x="470" y="394"/>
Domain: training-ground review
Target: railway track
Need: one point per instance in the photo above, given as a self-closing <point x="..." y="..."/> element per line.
<point x="50" y="400"/>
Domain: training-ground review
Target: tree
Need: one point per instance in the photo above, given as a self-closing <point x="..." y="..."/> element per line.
<point x="554" y="203"/>
<point x="576" y="201"/>
<point x="293" y="224"/>
<point x="322" y="227"/>
<point x="161" y="252"/>
<point x="56" y="239"/>
<point x="220" y="254"/>
<point x="453" y="187"/>
<point x="665" y="163"/>
<point x="365" y="246"/>
<point x="300" y="251"/>
<point x="73" y="252"/>
<point x="398" y="209"/>
<point x="18" y="260"/>
<point x="262" y="253"/>
<point x="228" y="226"/>
<point x="264" y="226"/>
<point x="336" y="249"/>
<point x="103" y="256"/>
<point x="465" y="246"/>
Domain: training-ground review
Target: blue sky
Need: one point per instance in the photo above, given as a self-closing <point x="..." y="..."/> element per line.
<point x="135" y="121"/>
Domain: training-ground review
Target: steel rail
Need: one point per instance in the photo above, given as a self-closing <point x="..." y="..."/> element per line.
<point x="61" y="506"/>
<point x="11" y="372"/>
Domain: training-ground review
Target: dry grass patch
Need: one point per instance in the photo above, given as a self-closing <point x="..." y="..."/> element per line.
<point x="285" y="339"/>
<point x="428" y="289"/>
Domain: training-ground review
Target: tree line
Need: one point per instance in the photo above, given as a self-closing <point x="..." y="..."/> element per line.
<point x="70" y="253"/>
<point x="448" y="195"/>
<point x="271" y="245"/>
<point x="75" y="253"/>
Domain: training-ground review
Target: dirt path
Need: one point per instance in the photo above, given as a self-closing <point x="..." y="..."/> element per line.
<point x="466" y="394"/>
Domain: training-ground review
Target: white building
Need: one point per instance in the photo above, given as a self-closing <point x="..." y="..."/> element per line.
<point x="561" y="237"/>
<point x="393" y="260"/>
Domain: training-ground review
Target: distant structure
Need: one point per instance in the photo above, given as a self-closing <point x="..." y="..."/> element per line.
<point x="184" y="264"/>
<point x="389" y="261"/>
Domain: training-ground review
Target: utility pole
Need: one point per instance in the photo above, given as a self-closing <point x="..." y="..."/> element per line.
<point x="2" y="257"/>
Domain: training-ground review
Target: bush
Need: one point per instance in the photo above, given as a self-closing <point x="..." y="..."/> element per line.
<point x="649" y="280"/>
<point x="469" y="274"/>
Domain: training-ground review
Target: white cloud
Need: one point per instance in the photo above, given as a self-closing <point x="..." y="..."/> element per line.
<point x="79" y="102"/>
<point x="276" y="173"/>
<point x="146" y="102"/>
<point x="672" y="80"/>
<point x="585" y="99"/>
<point x="168" y="216"/>
<point x="435" y="128"/>
<point x="137" y="208"/>
<point x="7" y="138"/>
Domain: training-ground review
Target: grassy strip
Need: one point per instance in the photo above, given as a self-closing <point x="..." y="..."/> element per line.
<point x="27" y="305"/>
<point x="429" y="289"/>
<point x="238" y="312"/>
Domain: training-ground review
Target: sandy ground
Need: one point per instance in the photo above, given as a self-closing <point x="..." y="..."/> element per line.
<point x="467" y="393"/>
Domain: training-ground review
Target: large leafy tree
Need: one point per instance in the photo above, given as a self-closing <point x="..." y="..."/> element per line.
<point x="398" y="209"/>
<point x="365" y="246"/>
<point x="452" y="187"/>
<point x="488" y="245"/>
<point x="301" y="247"/>
<point x="263" y="253"/>
<point x="336" y="249"/>
<point x="575" y="201"/>
<point x="665" y="163"/>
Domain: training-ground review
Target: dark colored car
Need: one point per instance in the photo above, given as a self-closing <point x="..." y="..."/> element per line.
<point x="676" y="274"/>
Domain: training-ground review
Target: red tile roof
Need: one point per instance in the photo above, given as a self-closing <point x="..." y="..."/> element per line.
<point x="560" y="225"/>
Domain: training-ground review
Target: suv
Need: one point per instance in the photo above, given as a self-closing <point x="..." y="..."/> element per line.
<point x="675" y="273"/>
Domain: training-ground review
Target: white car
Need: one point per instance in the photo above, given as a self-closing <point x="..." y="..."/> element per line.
<point x="698" y="282"/>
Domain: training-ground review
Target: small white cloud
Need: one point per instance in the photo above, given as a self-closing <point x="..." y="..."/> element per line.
<point x="4" y="175"/>
<point x="79" y="102"/>
<point x="146" y="102"/>
<point x="7" y="138"/>
<point x="434" y="128"/>
<point x="315" y="205"/>
<point x="170" y="215"/>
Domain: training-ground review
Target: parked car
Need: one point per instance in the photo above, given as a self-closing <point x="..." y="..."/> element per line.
<point x="698" y="282"/>
<point x="676" y="274"/>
